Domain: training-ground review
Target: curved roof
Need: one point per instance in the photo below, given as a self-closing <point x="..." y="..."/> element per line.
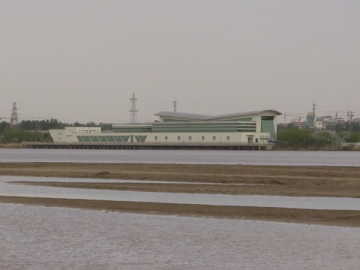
<point x="203" y="117"/>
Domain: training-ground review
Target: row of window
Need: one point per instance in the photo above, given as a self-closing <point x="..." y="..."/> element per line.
<point x="87" y="130"/>
<point x="190" y="138"/>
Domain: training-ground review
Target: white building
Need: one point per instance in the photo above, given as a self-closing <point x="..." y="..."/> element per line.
<point x="173" y="127"/>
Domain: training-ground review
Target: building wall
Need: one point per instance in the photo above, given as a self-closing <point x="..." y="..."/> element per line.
<point x="69" y="136"/>
<point x="215" y="130"/>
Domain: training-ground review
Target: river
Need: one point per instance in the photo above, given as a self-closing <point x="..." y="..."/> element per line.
<point x="60" y="238"/>
<point x="290" y="158"/>
<point x="38" y="237"/>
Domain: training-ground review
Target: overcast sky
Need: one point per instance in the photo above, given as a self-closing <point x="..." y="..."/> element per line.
<point x="79" y="60"/>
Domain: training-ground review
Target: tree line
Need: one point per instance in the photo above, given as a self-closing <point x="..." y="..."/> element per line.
<point x="295" y="138"/>
<point x="36" y="130"/>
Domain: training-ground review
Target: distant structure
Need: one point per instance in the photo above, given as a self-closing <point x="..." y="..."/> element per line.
<point x="14" y="115"/>
<point x="133" y="111"/>
<point x="182" y="130"/>
<point x="175" y="105"/>
<point x="314" y="110"/>
<point x="310" y="119"/>
<point x="350" y="116"/>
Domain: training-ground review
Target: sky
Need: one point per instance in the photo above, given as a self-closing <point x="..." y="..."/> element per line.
<point x="78" y="60"/>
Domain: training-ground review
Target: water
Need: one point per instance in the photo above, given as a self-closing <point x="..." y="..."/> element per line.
<point x="292" y="158"/>
<point x="33" y="237"/>
<point x="8" y="178"/>
<point x="36" y="237"/>
<point x="7" y="189"/>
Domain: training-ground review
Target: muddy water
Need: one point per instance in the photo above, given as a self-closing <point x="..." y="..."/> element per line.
<point x="293" y="158"/>
<point x="57" y="238"/>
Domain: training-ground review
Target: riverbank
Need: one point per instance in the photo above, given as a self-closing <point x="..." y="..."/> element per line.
<point x="347" y="218"/>
<point x="201" y="179"/>
<point x="256" y="180"/>
<point x="11" y="145"/>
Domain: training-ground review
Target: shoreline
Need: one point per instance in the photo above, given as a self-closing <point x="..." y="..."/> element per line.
<point x="255" y="180"/>
<point x="347" y="218"/>
<point x="200" y="179"/>
<point x="274" y="148"/>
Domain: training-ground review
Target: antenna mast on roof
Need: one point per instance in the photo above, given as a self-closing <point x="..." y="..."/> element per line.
<point x="14" y="116"/>
<point x="133" y="111"/>
<point x="175" y="105"/>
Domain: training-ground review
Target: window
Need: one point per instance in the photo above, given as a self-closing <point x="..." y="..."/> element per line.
<point x="166" y="137"/>
<point x="189" y="138"/>
<point x="228" y="137"/>
<point x="155" y="137"/>
<point x="203" y="137"/>
<point x="179" y="138"/>
<point x="214" y="138"/>
<point x="256" y="140"/>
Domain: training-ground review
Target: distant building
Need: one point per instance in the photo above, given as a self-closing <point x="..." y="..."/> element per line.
<point x="297" y="122"/>
<point x="174" y="127"/>
<point x="324" y="121"/>
<point x="310" y="119"/>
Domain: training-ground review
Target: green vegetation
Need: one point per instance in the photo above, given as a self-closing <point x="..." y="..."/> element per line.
<point x="15" y="135"/>
<point x="41" y="125"/>
<point x="295" y="138"/>
<point x="291" y="137"/>
<point x="36" y="131"/>
<point x="56" y="124"/>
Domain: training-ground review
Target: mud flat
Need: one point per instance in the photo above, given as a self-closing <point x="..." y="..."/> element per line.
<point x="325" y="217"/>
<point x="257" y="180"/>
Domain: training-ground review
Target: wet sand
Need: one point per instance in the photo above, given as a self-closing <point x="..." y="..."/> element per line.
<point x="324" y="217"/>
<point x="264" y="180"/>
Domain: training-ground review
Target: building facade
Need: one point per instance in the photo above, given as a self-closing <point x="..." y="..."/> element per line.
<point x="173" y="127"/>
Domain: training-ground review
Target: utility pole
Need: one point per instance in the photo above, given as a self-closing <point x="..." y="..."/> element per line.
<point x="175" y="105"/>
<point x="133" y="111"/>
<point x="14" y="115"/>
<point x="350" y="115"/>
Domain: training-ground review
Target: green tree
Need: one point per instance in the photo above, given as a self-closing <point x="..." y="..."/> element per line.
<point x="3" y="126"/>
<point x="16" y="135"/>
<point x="295" y="138"/>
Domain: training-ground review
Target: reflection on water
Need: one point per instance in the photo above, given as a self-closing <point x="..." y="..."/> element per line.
<point x="7" y="189"/>
<point x="35" y="237"/>
<point x="183" y="156"/>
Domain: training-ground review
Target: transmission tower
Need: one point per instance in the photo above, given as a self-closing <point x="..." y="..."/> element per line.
<point x="175" y="105"/>
<point x="314" y="114"/>
<point x="14" y="115"/>
<point x="133" y="111"/>
<point x="351" y="115"/>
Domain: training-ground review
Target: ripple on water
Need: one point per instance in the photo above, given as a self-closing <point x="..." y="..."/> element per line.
<point x="44" y="238"/>
<point x="293" y="158"/>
